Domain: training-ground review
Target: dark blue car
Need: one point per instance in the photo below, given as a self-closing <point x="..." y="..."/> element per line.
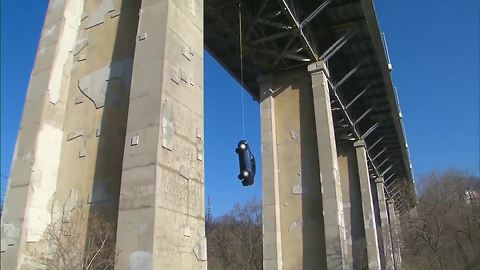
<point x="247" y="163"/>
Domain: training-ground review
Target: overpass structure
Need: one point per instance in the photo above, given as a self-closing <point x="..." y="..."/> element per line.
<point x="113" y="121"/>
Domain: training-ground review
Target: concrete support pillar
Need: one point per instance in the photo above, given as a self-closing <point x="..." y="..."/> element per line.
<point x="356" y="255"/>
<point x="378" y="224"/>
<point x="295" y="172"/>
<point x="161" y="207"/>
<point x="395" y="233"/>
<point x="385" y="225"/>
<point x="37" y="155"/>
<point x="272" y="239"/>
<point x="335" y="239"/>
<point x="371" y="239"/>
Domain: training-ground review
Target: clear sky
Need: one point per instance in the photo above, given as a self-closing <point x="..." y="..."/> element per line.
<point x="434" y="47"/>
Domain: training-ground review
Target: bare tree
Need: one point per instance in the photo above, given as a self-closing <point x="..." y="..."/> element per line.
<point x="73" y="244"/>
<point x="234" y="241"/>
<point x="443" y="230"/>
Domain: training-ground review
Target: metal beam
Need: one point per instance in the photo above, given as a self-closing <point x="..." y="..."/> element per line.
<point x="394" y="196"/>
<point x="387" y="169"/>
<point x="315" y="13"/>
<point x="299" y="31"/>
<point x="287" y="46"/>
<point x="370" y="130"/>
<point x="278" y="56"/>
<point x="376" y="143"/>
<point x="401" y="206"/>
<point x="358" y="96"/>
<point x="273" y="36"/>
<point x="383" y="162"/>
<point x="393" y="174"/>
<point x="339" y="43"/>
<point x="349" y="74"/>
<point x="352" y="126"/>
<point x="275" y="24"/>
<point x="256" y="19"/>
<point x="379" y="153"/>
<point x="363" y="115"/>
<point x="395" y="188"/>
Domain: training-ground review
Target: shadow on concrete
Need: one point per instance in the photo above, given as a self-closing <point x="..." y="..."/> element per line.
<point x="104" y="197"/>
<point x="313" y="229"/>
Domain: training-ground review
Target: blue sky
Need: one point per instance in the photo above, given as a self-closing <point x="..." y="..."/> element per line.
<point x="434" y="47"/>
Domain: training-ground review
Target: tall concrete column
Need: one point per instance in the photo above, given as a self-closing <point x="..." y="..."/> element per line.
<point x="367" y="206"/>
<point x="272" y="238"/>
<point x="385" y="225"/>
<point x="395" y="233"/>
<point x="36" y="159"/>
<point x="356" y="255"/>
<point x="294" y="234"/>
<point x="335" y="239"/>
<point x="398" y="242"/>
<point x="161" y="209"/>
<point x="378" y="224"/>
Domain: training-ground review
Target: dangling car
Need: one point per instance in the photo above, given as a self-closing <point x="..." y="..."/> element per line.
<point x="247" y="163"/>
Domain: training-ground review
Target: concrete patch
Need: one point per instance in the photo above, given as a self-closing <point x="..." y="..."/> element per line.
<point x="97" y="84"/>
<point x="168" y="127"/>
<point x="98" y="16"/>
<point x="293" y="134"/>
<point x="297" y="190"/>
<point x="75" y="134"/>
<point x="200" y="249"/>
<point x="140" y="260"/>
<point x="99" y="192"/>
<point x="44" y="181"/>
<point x="80" y="46"/>
<point x="65" y="45"/>
<point x="199" y="149"/>
<point x="295" y="224"/>
<point x="184" y="172"/>
<point x="10" y="234"/>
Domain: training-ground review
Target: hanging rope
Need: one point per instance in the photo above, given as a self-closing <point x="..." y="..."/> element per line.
<point x="241" y="64"/>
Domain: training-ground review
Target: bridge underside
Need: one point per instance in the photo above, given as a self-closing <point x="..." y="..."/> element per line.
<point x="113" y="122"/>
<point x="285" y="46"/>
<point x="283" y="35"/>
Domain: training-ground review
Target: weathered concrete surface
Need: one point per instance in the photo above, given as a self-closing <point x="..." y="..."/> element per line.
<point x="378" y="223"/>
<point x="335" y="238"/>
<point x="272" y="237"/>
<point x="293" y="222"/>
<point x="356" y="255"/>
<point x="69" y="151"/>
<point x="37" y="154"/>
<point x="369" y="222"/>
<point x="385" y="226"/>
<point x="395" y="233"/>
<point x="161" y="214"/>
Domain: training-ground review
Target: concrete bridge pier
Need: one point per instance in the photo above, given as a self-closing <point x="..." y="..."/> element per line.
<point x="395" y="233"/>
<point x="358" y="206"/>
<point x="302" y="198"/>
<point x="161" y="204"/>
<point x="369" y="222"/>
<point x="317" y="197"/>
<point x="352" y="204"/>
<point x="385" y="225"/>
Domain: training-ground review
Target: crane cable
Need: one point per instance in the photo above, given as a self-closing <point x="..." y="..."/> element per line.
<point x="241" y="63"/>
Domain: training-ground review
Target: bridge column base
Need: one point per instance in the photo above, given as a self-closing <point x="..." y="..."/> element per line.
<point x="395" y="233"/>
<point x="302" y="200"/>
<point x="369" y="221"/>
<point x="356" y="254"/>
<point x="161" y="219"/>
<point x="385" y="226"/>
